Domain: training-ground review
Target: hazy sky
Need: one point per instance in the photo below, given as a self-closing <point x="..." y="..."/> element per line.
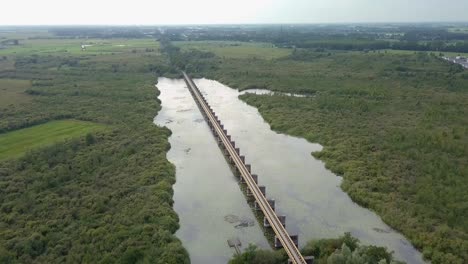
<point x="135" y="12"/>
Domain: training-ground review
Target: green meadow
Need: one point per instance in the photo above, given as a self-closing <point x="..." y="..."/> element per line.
<point x="236" y="50"/>
<point x="56" y="46"/>
<point x="16" y="143"/>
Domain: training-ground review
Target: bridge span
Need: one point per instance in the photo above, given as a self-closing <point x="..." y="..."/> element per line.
<point x="282" y="238"/>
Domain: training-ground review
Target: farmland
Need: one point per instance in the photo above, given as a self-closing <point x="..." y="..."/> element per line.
<point x="236" y="50"/>
<point x="18" y="142"/>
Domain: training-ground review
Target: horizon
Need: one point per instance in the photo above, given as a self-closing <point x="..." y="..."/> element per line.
<point x="212" y="12"/>
<point x="242" y="24"/>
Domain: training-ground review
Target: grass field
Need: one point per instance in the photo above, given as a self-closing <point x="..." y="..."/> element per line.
<point x="73" y="46"/>
<point x="237" y="50"/>
<point x="12" y="92"/>
<point x="16" y="143"/>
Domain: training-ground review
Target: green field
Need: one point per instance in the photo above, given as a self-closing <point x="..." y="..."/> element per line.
<point x="73" y="46"/>
<point x="238" y="50"/>
<point x="16" y="143"/>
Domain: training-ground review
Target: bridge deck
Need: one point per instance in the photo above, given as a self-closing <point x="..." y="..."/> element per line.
<point x="280" y="232"/>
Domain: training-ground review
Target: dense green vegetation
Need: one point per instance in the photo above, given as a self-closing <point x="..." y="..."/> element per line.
<point x="103" y="197"/>
<point x="414" y="37"/>
<point x="345" y="249"/>
<point x="13" y="91"/>
<point x="18" y="142"/>
<point x="394" y="125"/>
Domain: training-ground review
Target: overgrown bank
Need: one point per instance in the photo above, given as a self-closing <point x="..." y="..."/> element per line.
<point x="345" y="249"/>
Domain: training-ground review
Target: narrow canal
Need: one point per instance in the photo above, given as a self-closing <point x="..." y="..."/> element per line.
<point x="211" y="206"/>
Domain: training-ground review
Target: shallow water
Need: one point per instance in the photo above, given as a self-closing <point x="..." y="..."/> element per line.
<point x="206" y="191"/>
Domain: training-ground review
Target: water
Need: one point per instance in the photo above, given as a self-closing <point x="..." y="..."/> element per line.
<point x="207" y="197"/>
<point x="205" y="192"/>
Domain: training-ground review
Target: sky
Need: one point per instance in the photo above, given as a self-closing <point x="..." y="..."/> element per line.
<point x="163" y="12"/>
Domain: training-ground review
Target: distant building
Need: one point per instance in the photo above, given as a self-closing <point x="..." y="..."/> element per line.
<point x="458" y="60"/>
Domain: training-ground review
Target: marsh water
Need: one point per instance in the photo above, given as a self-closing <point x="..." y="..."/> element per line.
<point x="207" y="198"/>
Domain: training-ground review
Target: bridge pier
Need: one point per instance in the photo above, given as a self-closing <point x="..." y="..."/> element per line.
<point x="281" y="218"/>
<point x="254" y="177"/>
<point x="262" y="190"/>
<point x="277" y="243"/>
<point x="271" y="202"/>
<point x="294" y="238"/>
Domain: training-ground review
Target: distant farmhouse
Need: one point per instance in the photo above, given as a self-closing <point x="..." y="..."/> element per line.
<point x="463" y="61"/>
<point x="84" y="46"/>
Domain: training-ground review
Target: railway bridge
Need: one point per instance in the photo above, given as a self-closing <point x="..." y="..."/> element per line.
<point x="277" y="223"/>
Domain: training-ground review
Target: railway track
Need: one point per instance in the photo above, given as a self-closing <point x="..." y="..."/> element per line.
<point x="280" y="231"/>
